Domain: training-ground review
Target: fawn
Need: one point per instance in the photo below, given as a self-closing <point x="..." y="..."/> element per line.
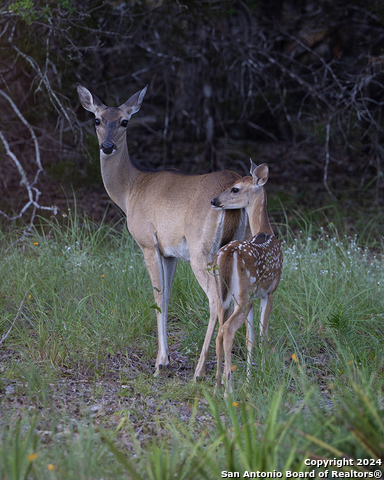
<point x="245" y="270"/>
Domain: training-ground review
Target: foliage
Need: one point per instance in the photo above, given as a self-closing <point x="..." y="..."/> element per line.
<point x="17" y="460"/>
<point x="77" y="392"/>
<point x="299" y="74"/>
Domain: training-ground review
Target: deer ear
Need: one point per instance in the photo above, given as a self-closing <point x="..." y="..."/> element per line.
<point x="260" y="173"/>
<point x="253" y="167"/>
<point x="89" y="101"/>
<point x="133" y="104"/>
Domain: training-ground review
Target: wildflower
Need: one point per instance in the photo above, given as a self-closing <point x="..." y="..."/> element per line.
<point x="35" y="243"/>
<point x="31" y="457"/>
<point x="102" y="276"/>
<point x="51" y="467"/>
<point x="235" y="404"/>
<point x="350" y="362"/>
<point x="233" y="368"/>
<point x="294" y="357"/>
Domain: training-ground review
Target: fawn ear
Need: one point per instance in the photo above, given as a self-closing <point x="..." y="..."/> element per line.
<point x="89" y="101"/>
<point x="259" y="173"/>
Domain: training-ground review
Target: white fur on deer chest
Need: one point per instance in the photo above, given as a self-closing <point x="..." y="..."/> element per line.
<point x="180" y="251"/>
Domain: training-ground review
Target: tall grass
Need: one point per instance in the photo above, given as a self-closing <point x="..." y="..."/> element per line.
<point x="89" y="319"/>
<point x="88" y="293"/>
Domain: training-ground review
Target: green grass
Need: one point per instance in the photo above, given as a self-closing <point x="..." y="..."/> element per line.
<point x="76" y="371"/>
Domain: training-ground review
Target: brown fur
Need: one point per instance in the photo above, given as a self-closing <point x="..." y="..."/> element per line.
<point x="245" y="270"/>
<point x="168" y="214"/>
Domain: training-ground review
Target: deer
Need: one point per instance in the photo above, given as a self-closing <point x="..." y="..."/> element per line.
<point x="168" y="214"/>
<point x="245" y="270"/>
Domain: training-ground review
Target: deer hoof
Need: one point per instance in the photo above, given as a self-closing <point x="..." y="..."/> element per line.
<point x="161" y="367"/>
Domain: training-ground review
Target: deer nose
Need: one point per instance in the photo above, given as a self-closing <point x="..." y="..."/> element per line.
<point x="108" y="147"/>
<point x="216" y="203"/>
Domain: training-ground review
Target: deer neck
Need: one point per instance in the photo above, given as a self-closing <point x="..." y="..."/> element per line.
<point x="257" y="214"/>
<point x="119" y="174"/>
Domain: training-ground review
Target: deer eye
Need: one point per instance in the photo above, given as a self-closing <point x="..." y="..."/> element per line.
<point x="124" y="123"/>
<point x="234" y="190"/>
<point x="97" y="121"/>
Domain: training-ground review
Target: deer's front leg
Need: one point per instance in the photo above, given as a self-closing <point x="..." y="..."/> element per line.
<point x="219" y="355"/>
<point x="200" y="368"/>
<point x="161" y="271"/>
<point x="219" y="346"/>
<point x="207" y="283"/>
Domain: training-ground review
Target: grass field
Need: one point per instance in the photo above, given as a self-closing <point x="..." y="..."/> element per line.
<point x="77" y="391"/>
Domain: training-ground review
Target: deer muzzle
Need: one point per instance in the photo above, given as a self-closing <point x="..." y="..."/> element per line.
<point x="215" y="203"/>
<point x="108" y="148"/>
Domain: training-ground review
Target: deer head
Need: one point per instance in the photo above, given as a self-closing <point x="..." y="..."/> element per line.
<point x="241" y="192"/>
<point x="111" y="123"/>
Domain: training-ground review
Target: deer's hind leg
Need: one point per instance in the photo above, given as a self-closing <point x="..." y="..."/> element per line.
<point x="234" y="322"/>
<point x="266" y="303"/>
<point x="250" y="341"/>
<point x="223" y="314"/>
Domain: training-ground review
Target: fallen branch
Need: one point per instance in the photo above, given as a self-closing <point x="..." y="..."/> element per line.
<point x="14" y="320"/>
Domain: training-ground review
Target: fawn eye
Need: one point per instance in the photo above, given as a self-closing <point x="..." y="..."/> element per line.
<point x="234" y="190"/>
<point x="97" y="121"/>
<point x="124" y="123"/>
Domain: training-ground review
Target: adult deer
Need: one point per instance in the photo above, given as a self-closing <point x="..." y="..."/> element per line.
<point x="168" y="214"/>
<point x="245" y="270"/>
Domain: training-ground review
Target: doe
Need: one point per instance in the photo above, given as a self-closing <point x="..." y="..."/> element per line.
<point x="168" y="214"/>
<point x="245" y="270"/>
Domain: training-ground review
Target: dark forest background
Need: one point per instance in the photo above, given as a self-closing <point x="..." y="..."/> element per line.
<point x="296" y="84"/>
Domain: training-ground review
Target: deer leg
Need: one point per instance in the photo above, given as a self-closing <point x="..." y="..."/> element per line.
<point x="234" y="322"/>
<point x="250" y="341"/>
<point x="223" y="315"/>
<point x="200" y="368"/>
<point x="169" y="267"/>
<point x="161" y="271"/>
<point x="265" y="310"/>
<point x="219" y="349"/>
<point x="207" y="283"/>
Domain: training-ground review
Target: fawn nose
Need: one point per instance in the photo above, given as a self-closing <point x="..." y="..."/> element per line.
<point x="108" y="147"/>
